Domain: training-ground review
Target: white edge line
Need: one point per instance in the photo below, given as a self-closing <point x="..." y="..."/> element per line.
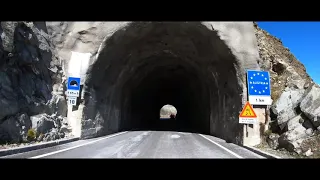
<point x="272" y="155"/>
<point x="224" y="148"/>
<point x="67" y="149"/>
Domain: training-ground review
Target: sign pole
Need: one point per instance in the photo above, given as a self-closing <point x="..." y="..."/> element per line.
<point x="73" y="90"/>
<point x="258" y="98"/>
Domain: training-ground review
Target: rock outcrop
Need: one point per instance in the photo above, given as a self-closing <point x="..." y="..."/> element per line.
<point x="295" y="112"/>
<point x="30" y="79"/>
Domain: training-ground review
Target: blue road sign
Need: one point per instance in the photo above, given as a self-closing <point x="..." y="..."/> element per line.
<point x="73" y="83"/>
<point x="258" y="83"/>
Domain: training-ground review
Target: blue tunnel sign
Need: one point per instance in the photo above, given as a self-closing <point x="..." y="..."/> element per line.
<point x="73" y="87"/>
<point x="73" y="83"/>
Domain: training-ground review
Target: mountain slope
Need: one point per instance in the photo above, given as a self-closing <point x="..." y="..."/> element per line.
<point x="295" y="112"/>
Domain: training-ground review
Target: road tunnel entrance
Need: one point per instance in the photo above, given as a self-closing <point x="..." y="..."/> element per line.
<point x="143" y="66"/>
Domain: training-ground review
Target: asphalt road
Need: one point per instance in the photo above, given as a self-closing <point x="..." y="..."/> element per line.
<point x="144" y="144"/>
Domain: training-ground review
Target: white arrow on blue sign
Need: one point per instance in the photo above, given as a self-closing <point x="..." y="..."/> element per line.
<point x="259" y="87"/>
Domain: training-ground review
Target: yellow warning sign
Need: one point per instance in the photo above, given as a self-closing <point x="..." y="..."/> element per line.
<point x="248" y="112"/>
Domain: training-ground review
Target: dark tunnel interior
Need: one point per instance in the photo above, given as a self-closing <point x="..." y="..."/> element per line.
<point x="144" y="66"/>
<point x="174" y="84"/>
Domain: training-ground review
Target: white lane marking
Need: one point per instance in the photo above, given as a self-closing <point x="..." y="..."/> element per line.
<point x="145" y="133"/>
<point x="224" y="148"/>
<point x="175" y="136"/>
<point x="67" y="149"/>
<point x="140" y="137"/>
<point x="272" y="155"/>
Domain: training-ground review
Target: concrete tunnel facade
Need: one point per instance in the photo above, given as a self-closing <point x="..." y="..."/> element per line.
<point x="198" y="67"/>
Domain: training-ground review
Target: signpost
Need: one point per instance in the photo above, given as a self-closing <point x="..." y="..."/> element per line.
<point x="247" y="116"/>
<point x="73" y="90"/>
<point x="259" y="88"/>
<point x="72" y="100"/>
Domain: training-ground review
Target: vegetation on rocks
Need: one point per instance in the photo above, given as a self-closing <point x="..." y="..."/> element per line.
<point x="32" y="134"/>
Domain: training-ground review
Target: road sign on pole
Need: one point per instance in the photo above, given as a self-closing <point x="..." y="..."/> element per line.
<point x="74" y="83"/>
<point x="247" y="116"/>
<point x="259" y="87"/>
<point x="72" y="100"/>
<point x="73" y="87"/>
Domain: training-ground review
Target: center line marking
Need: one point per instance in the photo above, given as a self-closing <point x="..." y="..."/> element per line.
<point x="222" y="147"/>
<point x="67" y="149"/>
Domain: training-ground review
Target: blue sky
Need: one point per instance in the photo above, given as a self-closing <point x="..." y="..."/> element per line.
<point x="303" y="40"/>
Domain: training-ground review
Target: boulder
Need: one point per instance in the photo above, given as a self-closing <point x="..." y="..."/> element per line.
<point x="310" y="105"/>
<point x="35" y="119"/>
<point x="291" y="140"/>
<point x="309" y="131"/>
<point x="25" y="125"/>
<point x="309" y="153"/>
<point x="53" y="135"/>
<point x="15" y="129"/>
<point x="65" y="129"/>
<point x="8" y="99"/>
<point x="284" y="107"/>
<point x="58" y="105"/>
<point x="272" y="141"/>
<point x="8" y="35"/>
<point x="298" y="133"/>
<point x="59" y="121"/>
<point x="306" y="145"/>
<point x="294" y="123"/>
<point x="308" y="124"/>
<point x="42" y="123"/>
<point x="50" y="127"/>
<point x="24" y="120"/>
<point x="40" y="137"/>
<point x="310" y="144"/>
<point x="4" y="136"/>
<point x="11" y="127"/>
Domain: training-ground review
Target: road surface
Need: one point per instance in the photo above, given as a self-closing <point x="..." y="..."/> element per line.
<point x="144" y="144"/>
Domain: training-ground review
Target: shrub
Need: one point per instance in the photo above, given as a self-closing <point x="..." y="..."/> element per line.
<point x="31" y="135"/>
<point x="267" y="133"/>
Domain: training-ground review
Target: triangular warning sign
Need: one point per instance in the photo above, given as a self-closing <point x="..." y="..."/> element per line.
<point x="248" y="112"/>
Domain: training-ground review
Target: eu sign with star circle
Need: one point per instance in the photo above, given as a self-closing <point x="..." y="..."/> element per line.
<point x="259" y="87"/>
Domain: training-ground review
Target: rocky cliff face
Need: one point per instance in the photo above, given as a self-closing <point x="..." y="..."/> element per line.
<point x="30" y="82"/>
<point x="284" y="68"/>
<point x="295" y="113"/>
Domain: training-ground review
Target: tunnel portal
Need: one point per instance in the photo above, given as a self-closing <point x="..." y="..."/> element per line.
<point x="143" y="66"/>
